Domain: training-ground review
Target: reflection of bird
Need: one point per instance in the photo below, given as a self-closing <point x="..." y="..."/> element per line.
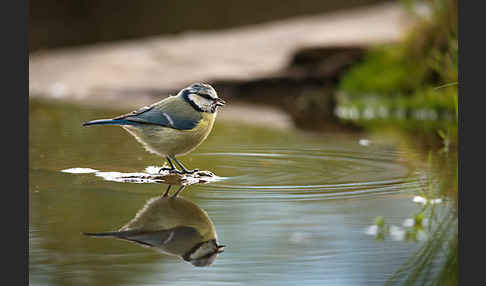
<point x="174" y="226"/>
<point x="173" y="126"/>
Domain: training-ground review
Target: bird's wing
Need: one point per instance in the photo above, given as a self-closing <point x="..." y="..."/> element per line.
<point x="162" y="237"/>
<point x="151" y="238"/>
<point x="171" y="112"/>
<point x="134" y="113"/>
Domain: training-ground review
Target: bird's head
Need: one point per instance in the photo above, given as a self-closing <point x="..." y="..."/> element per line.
<point x="204" y="253"/>
<point x="202" y="97"/>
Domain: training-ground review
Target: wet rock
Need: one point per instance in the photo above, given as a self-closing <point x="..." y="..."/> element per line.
<point x="165" y="177"/>
<point x="323" y="63"/>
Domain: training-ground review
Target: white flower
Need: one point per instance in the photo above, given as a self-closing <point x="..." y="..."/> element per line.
<point x="419" y="200"/>
<point x="422" y="200"/>
<point x="409" y="222"/>
<point x="397" y="233"/>
<point x="372" y="230"/>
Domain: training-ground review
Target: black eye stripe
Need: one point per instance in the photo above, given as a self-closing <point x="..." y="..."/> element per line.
<point x="207" y="96"/>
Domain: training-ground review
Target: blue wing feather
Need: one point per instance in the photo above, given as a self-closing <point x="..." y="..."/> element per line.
<point x="172" y="112"/>
<point x="110" y="122"/>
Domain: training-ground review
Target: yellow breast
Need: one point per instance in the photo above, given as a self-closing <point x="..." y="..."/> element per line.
<point x="166" y="141"/>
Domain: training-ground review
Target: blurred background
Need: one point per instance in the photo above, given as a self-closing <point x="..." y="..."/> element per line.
<point x="55" y="24"/>
<point x="338" y="144"/>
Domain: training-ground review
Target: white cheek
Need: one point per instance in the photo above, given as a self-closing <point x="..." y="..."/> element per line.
<point x="202" y="251"/>
<point x="202" y="102"/>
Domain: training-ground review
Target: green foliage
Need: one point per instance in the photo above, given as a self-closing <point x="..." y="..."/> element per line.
<point x="384" y="70"/>
<point x="436" y="260"/>
<point x="421" y="72"/>
<point x="433" y="98"/>
<point x="379" y="221"/>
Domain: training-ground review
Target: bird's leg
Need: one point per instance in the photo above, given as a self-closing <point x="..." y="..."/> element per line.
<point x="172" y="167"/>
<point x="184" y="170"/>
<point x="178" y="191"/>
<point x="167" y="192"/>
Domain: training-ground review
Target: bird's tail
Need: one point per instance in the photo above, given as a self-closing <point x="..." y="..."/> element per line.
<point x="103" y="234"/>
<point x="118" y="234"/>
<point x="110" y="122"/>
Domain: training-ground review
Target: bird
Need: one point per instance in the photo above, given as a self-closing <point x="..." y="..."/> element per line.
<point x="173" y="126"/>
<point x="174" y="226"/>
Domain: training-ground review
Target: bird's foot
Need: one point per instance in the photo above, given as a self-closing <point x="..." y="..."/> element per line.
<point x="175" y="171"/>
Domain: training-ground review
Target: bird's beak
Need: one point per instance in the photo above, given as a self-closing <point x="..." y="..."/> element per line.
<point x="221" y="248"/>
<point x="220" y="102"/>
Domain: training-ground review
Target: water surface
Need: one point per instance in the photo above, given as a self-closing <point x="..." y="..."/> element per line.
<point x="292" y="208"/>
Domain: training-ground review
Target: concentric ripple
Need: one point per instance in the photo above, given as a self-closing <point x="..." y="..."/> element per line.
<point x="311" y="172"/>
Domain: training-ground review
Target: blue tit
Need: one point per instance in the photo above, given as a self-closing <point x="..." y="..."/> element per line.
<point x="174" y="226"/>
<point x="173" y="126"/>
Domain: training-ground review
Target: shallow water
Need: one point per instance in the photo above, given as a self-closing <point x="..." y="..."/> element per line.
<point x="291" y="208"/>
